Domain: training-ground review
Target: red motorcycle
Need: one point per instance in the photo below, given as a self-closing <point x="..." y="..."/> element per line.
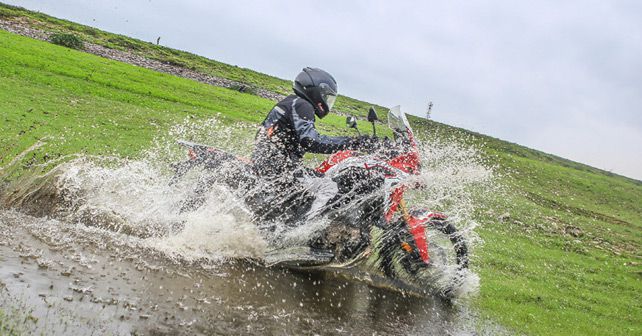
<point x="370" y="226"/>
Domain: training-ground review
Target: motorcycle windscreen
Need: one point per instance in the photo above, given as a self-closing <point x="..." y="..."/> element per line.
<point x="397" y="119"/>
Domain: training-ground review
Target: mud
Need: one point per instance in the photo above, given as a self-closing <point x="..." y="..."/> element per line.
<point x="86" y="288"/>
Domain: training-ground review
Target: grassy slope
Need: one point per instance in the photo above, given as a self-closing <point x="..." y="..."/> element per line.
<point x="168" y="55"/>
<point x="99" y="106"/>
<point x="536" y="277"/>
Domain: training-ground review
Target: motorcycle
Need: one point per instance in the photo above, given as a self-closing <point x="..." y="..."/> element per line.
<point x="370" y="224"/>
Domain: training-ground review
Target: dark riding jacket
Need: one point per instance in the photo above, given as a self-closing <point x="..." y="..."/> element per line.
<point x="287" y="133"/>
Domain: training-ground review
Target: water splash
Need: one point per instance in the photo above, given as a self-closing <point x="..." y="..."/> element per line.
<point x="132" y="201"/>
<point x="135" y="198"/>
<point x="457" y="181"/>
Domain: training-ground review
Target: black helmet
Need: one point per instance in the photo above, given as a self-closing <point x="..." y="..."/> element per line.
<point x="318" y="87"/>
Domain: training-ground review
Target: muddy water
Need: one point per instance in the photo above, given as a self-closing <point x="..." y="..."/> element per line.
<point x="89" y="288"/>
<point x="98" y="246"/>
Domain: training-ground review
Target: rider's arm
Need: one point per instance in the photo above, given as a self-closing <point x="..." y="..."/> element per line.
<point x="310" y="139"/>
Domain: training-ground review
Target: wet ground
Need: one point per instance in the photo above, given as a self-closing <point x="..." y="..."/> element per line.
<point x="68" y="278"/>
<point x="98" y="246"/>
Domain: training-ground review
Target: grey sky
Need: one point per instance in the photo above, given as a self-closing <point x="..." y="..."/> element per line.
<point x="564" y="77"/>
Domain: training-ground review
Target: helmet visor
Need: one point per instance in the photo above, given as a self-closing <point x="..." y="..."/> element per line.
<point x="329" y="100"/>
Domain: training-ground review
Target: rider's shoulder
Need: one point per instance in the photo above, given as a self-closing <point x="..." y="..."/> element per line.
<point x="303" y="108"/>
<point x="286" y="102"/>
<point x="298" y="105"/>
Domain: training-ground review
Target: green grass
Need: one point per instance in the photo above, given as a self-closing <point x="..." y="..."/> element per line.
<point x="171" y="56"/>
<point x="536" y="277"/>
<point x="97" y="106"/>
<point x="67" y="40"/>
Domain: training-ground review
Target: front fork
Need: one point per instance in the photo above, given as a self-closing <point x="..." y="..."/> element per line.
<point x="414" y="225"/>
<point x="417" y="229"/>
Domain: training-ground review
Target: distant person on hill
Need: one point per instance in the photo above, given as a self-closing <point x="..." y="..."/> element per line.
<point x="288" y="132"/>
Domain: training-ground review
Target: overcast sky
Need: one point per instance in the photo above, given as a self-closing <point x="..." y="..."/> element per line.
<point x="564" y="77"/>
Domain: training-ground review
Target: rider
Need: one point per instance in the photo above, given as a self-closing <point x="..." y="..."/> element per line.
<point x="288" y="132"/>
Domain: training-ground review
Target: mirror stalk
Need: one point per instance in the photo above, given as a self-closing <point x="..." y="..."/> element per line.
<point x="372" y="117"/>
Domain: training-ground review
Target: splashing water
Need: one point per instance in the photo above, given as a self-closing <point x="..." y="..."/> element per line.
<point x="133" y="198"/>
<point x="99" y="211"/>
<point x="455" y="180"/>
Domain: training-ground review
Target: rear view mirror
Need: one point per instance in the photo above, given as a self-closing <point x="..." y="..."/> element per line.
<point x="372" y="115"/>
<point x="351" y="122"/>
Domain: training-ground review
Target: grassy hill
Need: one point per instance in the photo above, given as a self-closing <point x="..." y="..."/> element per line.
<point x="563" y="259"/>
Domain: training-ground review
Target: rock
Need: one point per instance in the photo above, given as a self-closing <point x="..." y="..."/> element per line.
<point x="573" y="231"/>
<point x="504" y="217"/>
